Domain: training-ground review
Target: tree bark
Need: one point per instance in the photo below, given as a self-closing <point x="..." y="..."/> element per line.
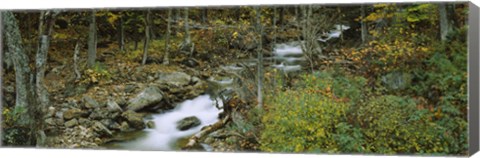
<point x="187" y="30"/>
<point x="167" y="40"/>
<point x="25" y="93"/>
<point x="444" y="24"/>
<point x="92" y="42"/>
<point x="259" y="58"/>
<point x="76" y="54"/>
<point x="147" y="37"/>
<point x="121" y="32"/>
<point x="204" y="15"/>
<point x="364" y="29"/>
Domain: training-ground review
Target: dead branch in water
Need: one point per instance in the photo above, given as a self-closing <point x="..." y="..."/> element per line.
<point x="206" y="130"/>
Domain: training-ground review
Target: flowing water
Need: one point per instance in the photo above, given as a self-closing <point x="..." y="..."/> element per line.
<point x="165" y="134"/>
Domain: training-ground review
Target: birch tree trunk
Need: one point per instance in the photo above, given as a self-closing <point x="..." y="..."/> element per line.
<point x="167" y="40"/>
<point x="47" y="20"/>
<point x="444" y="24"/>
<point x="92" y="42"/>
<point x="259" y="58"/>
<point x="76" y="54"/>
<point x="25" y="93"/>
<point x="147" y="37"/>
<point x="364" y="29"/>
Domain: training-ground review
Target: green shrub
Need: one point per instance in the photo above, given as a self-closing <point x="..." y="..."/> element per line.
<point x="313" y="116"/>
<point x="393" y="125"/>
<point x="302" y="122"/>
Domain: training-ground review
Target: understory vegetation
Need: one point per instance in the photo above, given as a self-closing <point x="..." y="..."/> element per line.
<point x="369" y="79"/>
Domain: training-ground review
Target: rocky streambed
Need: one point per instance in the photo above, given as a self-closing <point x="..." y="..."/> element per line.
<point x="90" y="123"/>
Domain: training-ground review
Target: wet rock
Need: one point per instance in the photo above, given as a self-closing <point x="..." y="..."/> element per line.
<point x="71" y="123"/>
<point x="90" y="103"/>
<point x="114" y="126"/>
<point x="187" y="123"/>
<point x="134" y="119"/>
<point x="101" y="129"/>
<point x="151" y="124"/>
<point x="148" y="97"/>
<point x="178" y="79"/>
<point x="73" y="113"/>
<point x="124" y="126"/>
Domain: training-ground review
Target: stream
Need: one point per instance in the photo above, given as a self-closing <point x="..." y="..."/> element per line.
<point x="164" y="136"/>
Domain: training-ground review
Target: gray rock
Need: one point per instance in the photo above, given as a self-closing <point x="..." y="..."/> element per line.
<point x="59" y="114"/>
<point x="130" y="88"/>
<point x="148" y="97"/>
<point x="397" y="80"/>
<point x="71" y="123"/>
<point x="84" y="121"/>
<point x="99" y="113"/>
<point x="151" y="124"/>
<point x="178" y="79"/>
<point x="113" y="106"/>
<point x="124" y="126"/>
<point x="50" y="121"/>
<point x="90" y="103"/>
<point x="51" y="111"/>
<point x="59" y="121"/>
<point x="73" y="113"/>
<point x="101" y="129"/>
<point x="134" y="119"/>
<point x="187" y="123"/>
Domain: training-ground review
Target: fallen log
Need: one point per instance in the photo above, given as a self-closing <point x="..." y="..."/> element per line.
<point x="206" y="130"/>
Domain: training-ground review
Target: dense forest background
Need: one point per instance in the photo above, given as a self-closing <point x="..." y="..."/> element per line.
<point x="394" y="80"/>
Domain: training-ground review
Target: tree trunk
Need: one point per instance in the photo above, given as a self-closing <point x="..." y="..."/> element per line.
<point x="92" y="42"/>
<point x="280" y="18"/>
<point x="76" y="54"/>
<point x="274" y="61"/>
<point x="25" y="93"/>
<point x="167" y="40"/>
<point x="364" y="29"/>
<point x="259" y="58"/>
<point x="147" y="37"/>
<point x="121" y="32"/>
<point x="204" y="15"/>
<point x="444" y="24"/>
<point x="187" y="31"/>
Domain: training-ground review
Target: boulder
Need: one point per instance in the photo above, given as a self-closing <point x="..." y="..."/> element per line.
<point x="73" y="113"/>
<point x="71" y="123"/>
<point x="148" y="97"/>
<point x="178" y="79"/>
<point x="187" y="123"/>
<point x="90" y="103"/>
<point x="151" y="124"/>
<point x="134" y="119"/>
